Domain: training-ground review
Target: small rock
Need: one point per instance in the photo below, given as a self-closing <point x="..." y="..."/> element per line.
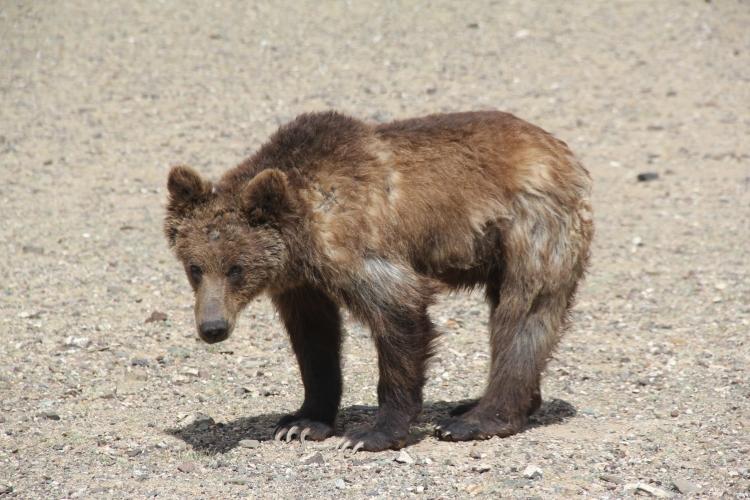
<point x="475" y="454"/>
<point x="49" y="415"/>
<point x="104" y="391"/>
<point x="674" y="413"/>
<point x="249" y="443"/>
<point x="5" y="489"/>
<point x="611" y="478"/>
<point x="313" y="459"/>
<point x="241" y="391"/>
<point x="647" y="176"/>
<point x="134" y="452"/>
<point x="637" y="241"/>
<point x="140" y="362"/>
<point x="187" y="467"/>
<point x="340" y="484"/>
<point x="29" y="315"/>
<point x="481" y="468"/>
<point x="684" y="486"/>
<point x="532" y="472"/>
<point x="81" y="342"/>
<point x="237" y="480"/>
<point x="420" y="489"/>
<point x="156" y="316"/>
<point x="647" y="488"/>
<point x="140" y="475"/>
<point x="404" y="458"/>
<point x="32" y="249"/>
<point x="474" y="489"/>
<point x="196" y="420"/>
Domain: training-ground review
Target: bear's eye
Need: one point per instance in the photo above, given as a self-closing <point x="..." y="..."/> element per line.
<point x="196" y="273"/>
<point x="234" y="273"/>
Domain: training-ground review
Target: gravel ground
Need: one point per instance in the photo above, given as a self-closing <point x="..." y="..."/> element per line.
<point x="648" y="393"/>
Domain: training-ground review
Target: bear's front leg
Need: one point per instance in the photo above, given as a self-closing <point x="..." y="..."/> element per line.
<point x="403" y="337"/>
<point x="314" y="325"/>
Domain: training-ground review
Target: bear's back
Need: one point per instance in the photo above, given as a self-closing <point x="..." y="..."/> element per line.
<point x="302" y="147"/>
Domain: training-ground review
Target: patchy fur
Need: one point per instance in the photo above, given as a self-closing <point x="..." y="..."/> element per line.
<point x="332" y="212"/>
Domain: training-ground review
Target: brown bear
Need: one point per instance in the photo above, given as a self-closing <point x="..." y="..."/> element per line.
<point x="333" y="212"/>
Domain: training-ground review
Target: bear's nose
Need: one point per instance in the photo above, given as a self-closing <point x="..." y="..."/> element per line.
<point x="215" y="330"/>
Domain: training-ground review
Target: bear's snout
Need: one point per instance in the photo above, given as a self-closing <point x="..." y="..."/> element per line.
<point x="214" y="331"/>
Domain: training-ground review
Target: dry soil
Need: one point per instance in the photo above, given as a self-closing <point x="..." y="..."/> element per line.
<point x="648" y="393"/>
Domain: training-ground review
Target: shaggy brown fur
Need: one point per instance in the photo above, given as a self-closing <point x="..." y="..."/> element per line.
<point x="334" y="212"/>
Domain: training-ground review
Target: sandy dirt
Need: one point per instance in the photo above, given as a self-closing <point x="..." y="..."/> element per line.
<point x="647" y="395"/>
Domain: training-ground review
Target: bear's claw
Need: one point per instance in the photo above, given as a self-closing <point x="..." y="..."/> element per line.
<point x="289" y="434"/>
<point x="370" y="439"/>
<point x="302" y="429"/>
<point x="345" y="443"/>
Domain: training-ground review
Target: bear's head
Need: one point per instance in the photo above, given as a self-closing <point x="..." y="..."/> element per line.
<point x="231" y="243"/>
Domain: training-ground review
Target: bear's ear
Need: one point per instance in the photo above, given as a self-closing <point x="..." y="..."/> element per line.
<point x="186" y="187"/>
<point x="267" y="198"/>
<point x="186" y="191"/>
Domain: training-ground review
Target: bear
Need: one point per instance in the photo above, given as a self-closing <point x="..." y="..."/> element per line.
<point x="336" y="213"/>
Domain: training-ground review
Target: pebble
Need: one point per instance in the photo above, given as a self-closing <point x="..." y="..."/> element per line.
<point x="532" y="472"/>
<point x="196" y="420"/>
<point x="404" y="458"/>
<point x="340" y="484"/>
<point x="80" y="342"/>
<point x="156" y="316"/>
<point x="140" y="362"/>
<point x="476" y="454"/>
<point x="647" y="488"/>
<point x="104" y="391"/>
<point x="647" y="176"/>
<point x="5" y="489"/>
<point x="140" y="475"/>
<point x="674" y="413"/>
<point x="49" y="415"/>
<point x="134" y="452"/>
<point x="611" y="478"/>
<point x="249" y="443"/>
<point x="474" y="489"/>
<point x="313" y="458"/>
<point x="684" y="486"/>
<point x="237" y="480"/>
<point x="241" y="391"/>
<point x="187" y="467"/>
<point x="481" y="468"/>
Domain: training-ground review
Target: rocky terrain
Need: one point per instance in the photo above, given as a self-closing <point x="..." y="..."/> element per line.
<point x="647" y="395"/>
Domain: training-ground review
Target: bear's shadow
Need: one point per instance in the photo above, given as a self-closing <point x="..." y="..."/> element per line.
<point x="216" y="438"/>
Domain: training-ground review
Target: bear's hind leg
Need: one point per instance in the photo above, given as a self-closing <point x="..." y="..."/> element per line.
<point x="313" y="323"/>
